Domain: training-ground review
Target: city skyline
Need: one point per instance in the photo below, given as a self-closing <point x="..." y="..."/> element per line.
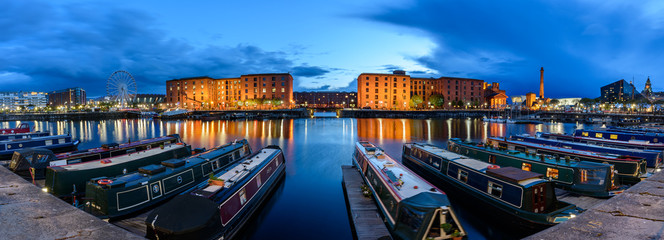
<point x="325" y="46"/>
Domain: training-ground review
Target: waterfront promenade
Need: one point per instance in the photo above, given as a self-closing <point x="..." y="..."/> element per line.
<point x="28" y="213"/>
<point x="637" y="213"/>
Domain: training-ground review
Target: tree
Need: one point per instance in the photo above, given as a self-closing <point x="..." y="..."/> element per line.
<point x="415" y="101"/>
<point x="437" y="100"/>
<point x="459" y="104"/>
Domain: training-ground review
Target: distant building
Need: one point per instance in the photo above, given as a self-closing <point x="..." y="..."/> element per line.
<point x="568" y="101"/>
<point x="619" y="91"/>
<point x="394" y="91"/>
<point x="22" y="100"/>
<point x="326" y="99"/>
<point x="69" y="97"/>
<point x="647" y="90"/>
<point x="495" y="97"/>
<point x="149" y="100"/>
<point x="208" y="93"/>
<point x="531" y="101"/>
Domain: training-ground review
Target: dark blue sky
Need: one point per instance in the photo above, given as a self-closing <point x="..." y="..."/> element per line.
<point x="582" y="45"/>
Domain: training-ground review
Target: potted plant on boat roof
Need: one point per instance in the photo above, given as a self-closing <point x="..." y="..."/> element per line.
<point x="446" y="227"/>
<point x="215" y="180"/>
<point x="456" y="235"/>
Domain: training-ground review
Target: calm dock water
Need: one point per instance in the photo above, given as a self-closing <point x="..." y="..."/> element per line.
<point x="310" y="202"/>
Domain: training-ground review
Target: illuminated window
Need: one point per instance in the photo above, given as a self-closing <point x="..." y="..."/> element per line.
<point x="598" y="135"/>
<point x="525" y="166"/>
<point x="552" y="173"/>
<point x="585" y="134"/>
<point x="614" y="136"/>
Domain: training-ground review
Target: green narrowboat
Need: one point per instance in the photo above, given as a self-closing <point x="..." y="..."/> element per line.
<point x="131" y="192"/>
<point x="630" y="170"/>
<point x="522" y="200"/>
<point x="69" y="180"/>
<point x="585" y="178"/>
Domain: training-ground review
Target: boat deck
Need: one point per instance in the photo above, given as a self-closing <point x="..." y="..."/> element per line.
<point x="542" y="146"/>
<point x="121" y="146"/>
<point x="119" y="159"/>
<point x="236" y="173"/>
<point x="364" y="216"/>
<point x="409" y="183"/>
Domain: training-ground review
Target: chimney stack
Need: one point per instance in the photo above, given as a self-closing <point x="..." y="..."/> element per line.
<point x="542" y="83"/>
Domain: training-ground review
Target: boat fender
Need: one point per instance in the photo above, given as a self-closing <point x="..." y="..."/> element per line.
<point x="149" y="147"/>
<point x="105" y="161"/>
<point x="415" y="187"/>
<point x="105" y="181"/>
<point x="493" y="167"/>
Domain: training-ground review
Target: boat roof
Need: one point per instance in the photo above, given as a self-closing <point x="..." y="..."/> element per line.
<point x="237" y="172"/>
<point x="521" y="155"/>
<point x="634" y="142"/>
<point x="592" y="145"/>
<point x="35" y="138"/>
<point x="121" y="146"/>
<point x="117" y="160"/>
<point x="483" y="167"/>
<point x="541" y="146"/>
<point x="380" y="160"/>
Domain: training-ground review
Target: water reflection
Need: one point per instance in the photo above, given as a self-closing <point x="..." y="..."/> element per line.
<point x="310" y="202"/>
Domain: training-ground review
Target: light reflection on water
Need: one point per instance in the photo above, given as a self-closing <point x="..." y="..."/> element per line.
<point x="310" y="203"/>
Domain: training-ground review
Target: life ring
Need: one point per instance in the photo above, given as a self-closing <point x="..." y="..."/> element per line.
<point x="493" y="167"/>
<point x="149" y="147"/>
<point x="105" y="181"/>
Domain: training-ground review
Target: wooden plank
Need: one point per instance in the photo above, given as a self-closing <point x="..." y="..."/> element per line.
<point x="365" y="218"/>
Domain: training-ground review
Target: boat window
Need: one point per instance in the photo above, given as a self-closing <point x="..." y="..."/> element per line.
<point x="463" y="175"/>
<point x="614" y="136"/>
<point x="61" y="140"/>
<point x="411" y="218"/>
<point x="585" y="134"/>
<point x="654" y="140"/>
<point x="258" y="180"/>
<point x="236" y="155"/>
<point x="598" y="135"/>
<point x="552" y="173"/>
<point x="48" y="142"/>
<point x="525" y="167"/>
<point x="495" y="189"/>
<point x="243" y="197"/>
<point x="492" y="159"/>
<point x="592" y="176"/>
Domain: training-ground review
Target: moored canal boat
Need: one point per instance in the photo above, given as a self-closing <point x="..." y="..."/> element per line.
<point x="31" y="163"/>
<point x="631" y="144"/>
<point x="131" y="192"/>
<point x="217" y="209"/>
<point x="620" y="136"/>
<point x="413" y="208"/>
<point x="21" y="128"/>
<point x="630" y="170"/>
<point x="516" y="198"/>
<point x="55" y="143"/>
<point x="652" y="157"/>
<point x="585" y="178"/>
<point x="69" y="180"/>
<point x="4" y="137"/>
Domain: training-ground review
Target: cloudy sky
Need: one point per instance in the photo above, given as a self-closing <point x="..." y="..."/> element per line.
<point x="582" y="45"/>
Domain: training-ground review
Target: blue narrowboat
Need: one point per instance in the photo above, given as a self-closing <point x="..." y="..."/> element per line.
<point x="652" y="157"/>
<point x="218" y="208"/>
<point x="413" y="208"/>
<point x="620" y="136"/>
<point x="14" y="136"/>
<point x="631" y="144"/>
<point x="55" y="143"/>
<point x="520" y="199"/>
<point x="131" y="192"/>
<point x="31" y="163"/>
<point x="585" y="178"/>
<point x="630" y="170"/>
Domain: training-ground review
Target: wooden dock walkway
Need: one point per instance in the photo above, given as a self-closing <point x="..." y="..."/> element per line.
<point x="366" y="221"/>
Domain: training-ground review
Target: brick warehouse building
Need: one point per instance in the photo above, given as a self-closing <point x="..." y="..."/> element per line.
<point x="394" y="91"/>
<point x="247" y="91"/>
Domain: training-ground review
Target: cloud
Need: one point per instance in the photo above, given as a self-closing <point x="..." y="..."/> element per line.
<point x="80" y="45"/>
<point x="309" y="71"/>
<point x="583" y="45"/>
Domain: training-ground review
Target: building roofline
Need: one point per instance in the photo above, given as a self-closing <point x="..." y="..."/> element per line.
<point x="259" y="74"/>
<point x="385" y="74"/>
<point x="189" y="78"/>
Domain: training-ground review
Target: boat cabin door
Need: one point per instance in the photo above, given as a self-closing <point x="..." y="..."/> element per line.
<point x="539" y="198"/>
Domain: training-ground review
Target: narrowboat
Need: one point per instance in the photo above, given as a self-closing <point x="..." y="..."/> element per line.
<point x="21" y="128"/>
<point x="631" y="144"/>
<point x="219" y="207"/>
<point x="515" y="198"/>
<point x="629" y="169"/>
<point x="70" y="180"/>
<point x="585" y="178"/>
<point x="56" y="143"/>
<point x="652" y="157"/>
<point x="31" y="163"/>
<point x="4" y="137"/>
<point x="131" y="192"/>
<point x="412" y="207"/>
<point x="620" y="136"/>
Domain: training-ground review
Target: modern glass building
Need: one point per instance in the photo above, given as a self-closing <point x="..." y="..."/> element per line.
<point x="619" y="91"/>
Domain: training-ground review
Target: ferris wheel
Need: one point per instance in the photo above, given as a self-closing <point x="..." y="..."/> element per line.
<point x="121" y="87"/>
